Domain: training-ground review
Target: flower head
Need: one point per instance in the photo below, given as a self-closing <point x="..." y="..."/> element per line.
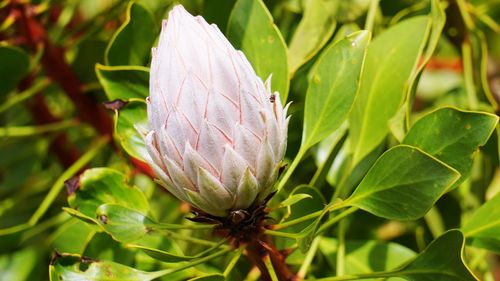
<point x="218" y="133"/>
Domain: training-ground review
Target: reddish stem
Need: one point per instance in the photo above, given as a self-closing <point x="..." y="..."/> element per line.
<point x="56" y="67"/>
<point x="259" y="250"/>
<point x="60" y="145"/>
<point x="59" y="71"/>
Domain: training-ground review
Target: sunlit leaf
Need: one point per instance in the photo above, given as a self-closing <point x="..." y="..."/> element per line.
<point x="68" y="267"/>
<point x="104" y="185"/>
<point x="124" y="224"/>
<point x="366" y="256"/>
<point x="314" y="30"/>
<point x="333" y="87"/>
<point x="124" y="82"/>
<point x="390" y="60"/>
<point x="128" y="120"/>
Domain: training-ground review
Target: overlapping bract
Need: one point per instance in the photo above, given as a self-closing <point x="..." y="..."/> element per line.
<point x="217" y="133"/>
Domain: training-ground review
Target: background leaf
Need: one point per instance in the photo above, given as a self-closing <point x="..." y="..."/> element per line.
<point x="483" y="226"/>
<point x="131" y="45"/>
<point x="366" y="256"/>
<point x="15" y="65"/>
<point x="313" y="32"/>
<point x="251" y="29"/>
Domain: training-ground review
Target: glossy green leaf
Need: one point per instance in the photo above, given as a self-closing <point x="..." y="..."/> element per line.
<point x="68" y="268"/>
<point x="390" y="60"/>
<point x="314" y="30"/>
<point x="123" y="224"/>
<point x="403" y="184"/>
<point x="15" y="66"/>
<point x="453" y="136"/>
<point x="124" y="82"/>
<point x="366" y="256"/>
<point x="483" y="227"/>
<point x="128" y="120"/>
<point x="251" y="29"/>
<point x="333" y="87"/>
<point x="441" y="260"/>
<point x="131" y="44"/>
<point x="104" y="185"/>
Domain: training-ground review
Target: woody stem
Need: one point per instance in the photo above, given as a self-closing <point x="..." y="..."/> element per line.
<point x="260" y="249"/>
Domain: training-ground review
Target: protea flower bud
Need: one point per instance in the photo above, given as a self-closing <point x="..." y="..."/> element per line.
<point x="218" y="133"/>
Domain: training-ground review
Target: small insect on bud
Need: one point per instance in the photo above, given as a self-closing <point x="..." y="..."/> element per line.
<point x="214" y="139"/>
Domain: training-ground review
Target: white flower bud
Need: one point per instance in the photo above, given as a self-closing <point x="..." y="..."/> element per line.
<point x="218" y="134"/>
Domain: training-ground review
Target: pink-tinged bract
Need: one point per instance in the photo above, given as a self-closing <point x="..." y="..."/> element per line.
<point x="217" y="134"/>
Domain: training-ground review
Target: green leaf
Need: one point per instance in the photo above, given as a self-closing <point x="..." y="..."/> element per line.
<point x="72" y="236"/>
<point x="441" y="260"/>
<point x="19" y="264"/>
<point x="366" y="256"/>
<point x="123" y="82"/>
<point x="292" y="199"/>
<point x="403" y="184"/>
<point x="453" y="136"/>
<point x="131" y="44"/>
<point x="123" y="224"/>
<point x="333" y="86"/>
<point x="437" y="22"/>
<point x="14" y="67"/>
<point x="104" y="185"/>
<point x="390" y="60"/>
<point x="251" y="29"/>
<point x="68" y="267"/>
<point x="314" y="30"/>
<point x="483" y="227"/>
<point x="133" y="115"/>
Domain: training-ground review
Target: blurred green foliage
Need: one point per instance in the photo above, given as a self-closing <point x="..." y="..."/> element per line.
<point x="393" y="143"/>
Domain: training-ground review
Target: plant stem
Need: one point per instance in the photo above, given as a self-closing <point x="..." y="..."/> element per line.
<point x="233" y="261"/>
<point x="372" y="12"/>
<point x="291" y="169"/>
<point x="308" y="259"/>
<point x="341" y="248"/>
<point x="262" y="250"/>
<point x="60" y="72"/>
<point x="335" y="219"/>
<point x="358" y="276"/>
<point x="297" y="220"/>
<point x="26" y="131"/>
